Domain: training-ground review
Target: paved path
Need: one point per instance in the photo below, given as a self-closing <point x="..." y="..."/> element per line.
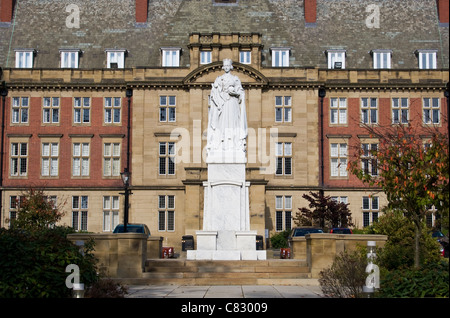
<point x="310" y="289"/>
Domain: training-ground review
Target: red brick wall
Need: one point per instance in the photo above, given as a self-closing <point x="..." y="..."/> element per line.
<point x="65" y="128"/>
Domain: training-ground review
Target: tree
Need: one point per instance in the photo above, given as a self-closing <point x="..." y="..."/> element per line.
<point x="410" y="169"/>
<point x="324" y="211"/>
<point x="36" y="212"/>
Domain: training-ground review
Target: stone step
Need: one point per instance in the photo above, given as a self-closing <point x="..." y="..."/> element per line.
<point x="198" y="272"/>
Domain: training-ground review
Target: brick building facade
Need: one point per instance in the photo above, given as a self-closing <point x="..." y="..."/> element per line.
<point x="67" y="68"/>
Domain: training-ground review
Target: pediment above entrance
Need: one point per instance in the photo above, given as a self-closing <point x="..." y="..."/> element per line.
<point x="206" y="74"/>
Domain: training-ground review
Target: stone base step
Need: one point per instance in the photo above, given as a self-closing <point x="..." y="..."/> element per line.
<point x="208" y="272"/>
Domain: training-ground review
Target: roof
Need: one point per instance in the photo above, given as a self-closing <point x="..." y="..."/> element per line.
<point x="404" y="27"/>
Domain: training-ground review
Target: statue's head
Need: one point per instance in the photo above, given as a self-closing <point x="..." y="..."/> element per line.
<point x="228" y="63"/>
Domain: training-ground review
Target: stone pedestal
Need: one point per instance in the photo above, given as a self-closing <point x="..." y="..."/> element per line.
<point x="226" y="233"/>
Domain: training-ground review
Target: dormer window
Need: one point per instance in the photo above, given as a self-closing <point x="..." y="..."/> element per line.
<point x="336" y="59"/>
<point x="24" y="58"/>
<point x="115" y="58"/>
<point x="70" y="58"/>
<point x="381" y="59"/>
<point x="427" y="59"/>
<point x="280" y="57"/>
<point x="170" y="57"/>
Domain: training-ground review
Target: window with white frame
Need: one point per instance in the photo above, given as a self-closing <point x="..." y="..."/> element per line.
<point x="20" y="107"/>
<point x="336" y="59"/>
<point x="338" y="111"/>
<point x="115" y="58"/>
<point x="283" y="109"/>
<point x="50" y="159"/>
<point x="283" y="212"/>
<point x="82" y="110"/>
<point x="283" y="158"/>
<point x="111" y="159"/>
<point x="110" y="213"/>
<point x="14" y="206"/>
<point x="50" y="110"/>
<point x="80" y="205"/>
<point x="381" y="59"/>
<point x="427" y="59"/>
<point x="368" y="160"/>
<point x="167" y="108"/>
<point x="400" y="110"/>
<point x="19" y="159"/>
<point x="245" y="57"/>
<point x="166" y="213"/>
<point x="167" y="158"/>
<point x="280" y="57"/>
<point x="113" y="106"/>
<point x="80" y="159"/>
<point x="431" y="110"/>
<point x="24" y="58"/>
<point x="370" y="207"/>
<point x="338" y="157"/>
<point x="69" y="58"/>
<point x="205" y="57"/>
<point x="170" y="57"/>
<point x="369" y="110"/>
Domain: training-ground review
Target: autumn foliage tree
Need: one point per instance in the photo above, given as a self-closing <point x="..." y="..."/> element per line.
<point x="412" y="169"/>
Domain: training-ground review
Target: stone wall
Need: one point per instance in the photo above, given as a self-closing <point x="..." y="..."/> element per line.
<point x="121" y="255"/>
<point x="320" y="249"/>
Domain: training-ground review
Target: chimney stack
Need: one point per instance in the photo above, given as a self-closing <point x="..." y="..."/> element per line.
<point x="6" y="10"/>
<point x="443" y="8"/>
<point x="310" y="7"/>
<point x="141" y="11"/>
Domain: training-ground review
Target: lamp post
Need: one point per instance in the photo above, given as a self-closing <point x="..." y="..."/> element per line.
<point x="3" y="94"/>
<point x="322" y="94"/>
<point x="126" y="183"/>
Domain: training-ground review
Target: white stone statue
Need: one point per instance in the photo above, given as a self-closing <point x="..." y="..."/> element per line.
<point x="227" y="123"/>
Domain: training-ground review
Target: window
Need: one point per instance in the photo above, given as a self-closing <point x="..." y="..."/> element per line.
<point x="336" y="59"/>
<point x="370" y="207"/>
<point x="115" y="58"/>
<point x="111" y="159"/>
<point x="427" y="59"/>
<point x="381" y="59"/>
<point x="280" y="57"/>
<point x="19" y="159"/>
<point x="338" y="111"/>
<point x="80" y="212"/>
<point x="166" y="158"/>
<point x="369" y="110"/>
<point x="166" y="213"/>
<point x="80" y="160"/>
<point x="245" y="57"/>
<point x="81" y="110"/>
<point x="284" y="158"/>
<point x="50" y="159"/>
<point x="24" y="58"/>
<point x="110" y="213"/>
<point x="167" y="110"/>
<point x="69" y="58"/>
<point x="369" y="162"/>
<point x="205" y="57"/>
<point x="283" y="212"/>
<point x="431" y="111"/>
<point x="20" y="106"/>
<point x="50" y="110"/>
<point x="400" y="110"/>
<point x="338" y="157"/>
<point x="14" y="206"/>
<point x="170" y="57"/>
<point x="112" y="110"/>
<point x="283" y="109"/>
